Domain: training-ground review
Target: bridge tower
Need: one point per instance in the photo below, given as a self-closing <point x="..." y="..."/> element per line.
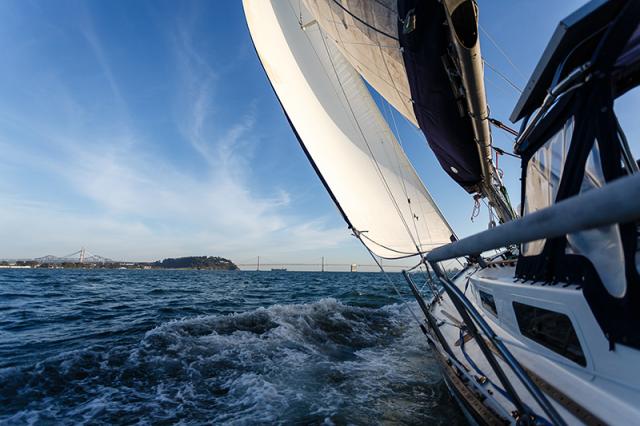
<point x="82" y="254"/>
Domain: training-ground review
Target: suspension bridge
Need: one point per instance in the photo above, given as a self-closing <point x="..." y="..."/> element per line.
<point x="80" y="256"/>
<point x="260" y="263"/>
<point x="257" y="263"/>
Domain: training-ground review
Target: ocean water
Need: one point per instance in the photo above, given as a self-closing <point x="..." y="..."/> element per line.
<point x="205" y="347"/>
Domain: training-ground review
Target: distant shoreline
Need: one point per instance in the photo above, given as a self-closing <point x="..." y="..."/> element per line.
<point x="101" y="267"/>
<point x="208" y="263"/>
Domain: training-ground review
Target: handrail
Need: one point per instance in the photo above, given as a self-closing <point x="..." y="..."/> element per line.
<point x="617" y="202"/>
<point x="470" y="316"/>
<point x="563" y="86"/>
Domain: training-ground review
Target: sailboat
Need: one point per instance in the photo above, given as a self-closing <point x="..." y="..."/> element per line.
<point x="541" y="325"/>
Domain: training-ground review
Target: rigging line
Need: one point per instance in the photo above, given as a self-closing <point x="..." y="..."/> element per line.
<point x="363" y="22"/>
<point x="500" y="125"/>
<point x="501" y="87"/>
<point x="398" y="165"/>
<point x="366" y="44"/>
<point x="502" y="51"/>
<point x="386" y="67"/>
<point x="375" y="259"/>
<point x="403" y="97"/>
<point x="395" y="12"/>
<point x="404" y="253"/>
<point x="305" y="32"/>
<point x="377" y="166"/>
<point x="504" y="77"/>
<point x="492" y="216"/>
<point x="435" y="207"/>
<point x="397" y="136"/>
<point x="371" y="70"/>
<point x="503" y="152"/>
<point x="406" y="193"/>
<point x="321" y="34"/>
<point x="364" y="65"/>
<point x="429" y="281"/>
<point x="395" y="87"/>
<point x="397" y="132"/>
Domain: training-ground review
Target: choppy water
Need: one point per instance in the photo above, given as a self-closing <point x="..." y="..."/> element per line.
<point x="196" y="347"/>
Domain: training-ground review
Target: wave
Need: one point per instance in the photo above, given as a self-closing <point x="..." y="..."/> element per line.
<point x="323" y="362"/>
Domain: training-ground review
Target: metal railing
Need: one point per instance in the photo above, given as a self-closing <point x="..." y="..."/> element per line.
<point x="617" y="202"/>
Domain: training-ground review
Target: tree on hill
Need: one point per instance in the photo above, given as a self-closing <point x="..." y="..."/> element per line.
<point x="197" y="262"/>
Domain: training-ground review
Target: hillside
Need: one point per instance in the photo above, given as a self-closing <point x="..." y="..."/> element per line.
<point x="197" y="262"/>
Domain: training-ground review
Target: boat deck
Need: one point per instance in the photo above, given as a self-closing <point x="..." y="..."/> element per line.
<point x="584" y="393"/>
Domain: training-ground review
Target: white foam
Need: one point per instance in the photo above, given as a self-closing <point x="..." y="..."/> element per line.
<point x="323" y="362"/>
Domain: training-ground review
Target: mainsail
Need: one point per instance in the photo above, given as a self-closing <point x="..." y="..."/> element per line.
<point x="404" y="63"/>
<point x="423" y="57"/>
<point x="343" y="133"/>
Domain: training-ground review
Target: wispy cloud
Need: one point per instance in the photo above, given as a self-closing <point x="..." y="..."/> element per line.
<point x="138" y="203"/>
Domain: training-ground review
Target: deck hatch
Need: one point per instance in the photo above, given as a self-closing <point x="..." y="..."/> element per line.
<point x="552" y="330"/>
<point x="488" y="301"/>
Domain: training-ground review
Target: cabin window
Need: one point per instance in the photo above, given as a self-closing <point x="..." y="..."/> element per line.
<point x="552" y="330"/>
<point x="602" y="246"/>
<point x="626" y="107"/>
<point x="488" y="302"/>
<point x="544" y="172"/>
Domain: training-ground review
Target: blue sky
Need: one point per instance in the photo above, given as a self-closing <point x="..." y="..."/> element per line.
<point x="144" y="130"/>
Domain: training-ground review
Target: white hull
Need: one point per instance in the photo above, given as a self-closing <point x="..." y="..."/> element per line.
<point x="604" y="391"/>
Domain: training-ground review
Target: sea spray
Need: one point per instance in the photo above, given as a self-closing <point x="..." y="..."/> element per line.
<point x="218" y="355"/>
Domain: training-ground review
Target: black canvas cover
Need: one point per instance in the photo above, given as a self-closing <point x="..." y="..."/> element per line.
<point x="595" y="123"/>
<point x="591" y="106"/>
<point x="444" y="123"/>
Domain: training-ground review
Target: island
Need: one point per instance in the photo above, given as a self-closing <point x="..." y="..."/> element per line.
<point x="197" y="262"/>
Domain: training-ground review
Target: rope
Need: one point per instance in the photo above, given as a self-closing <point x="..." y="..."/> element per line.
<point x="500" y="172"/>
<point x="503" y="152"/>
<point x="504" y="77"/>
<point x="476" y="207"/>
<point x="414" y="217"/>
<point x="377" y="166"/>
<point x="389" y="280"/>
<point x="501" y="50"/>
<point x="386" y="247"/>
<point x="366" y="24"/>
<point x="356" y="43"/>
<point x="492" y="216"/>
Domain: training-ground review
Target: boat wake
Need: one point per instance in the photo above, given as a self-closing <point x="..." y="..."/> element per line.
<point x="323" y="362"/>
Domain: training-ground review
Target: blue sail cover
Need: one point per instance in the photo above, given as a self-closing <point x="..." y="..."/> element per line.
<point x="439" y="114"/>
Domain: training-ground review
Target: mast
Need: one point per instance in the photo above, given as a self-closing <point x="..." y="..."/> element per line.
<point x="462" y="16"/>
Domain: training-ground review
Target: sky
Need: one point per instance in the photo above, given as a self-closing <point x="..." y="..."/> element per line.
<point x="142" y="130"/>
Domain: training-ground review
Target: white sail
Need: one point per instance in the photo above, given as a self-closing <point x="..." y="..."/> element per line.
<point x="367" y="34"/>
<point x="343" y="133"/>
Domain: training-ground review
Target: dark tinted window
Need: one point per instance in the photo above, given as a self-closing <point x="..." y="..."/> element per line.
<point x="550" y="329"/>
<point x="488" y="302"/>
